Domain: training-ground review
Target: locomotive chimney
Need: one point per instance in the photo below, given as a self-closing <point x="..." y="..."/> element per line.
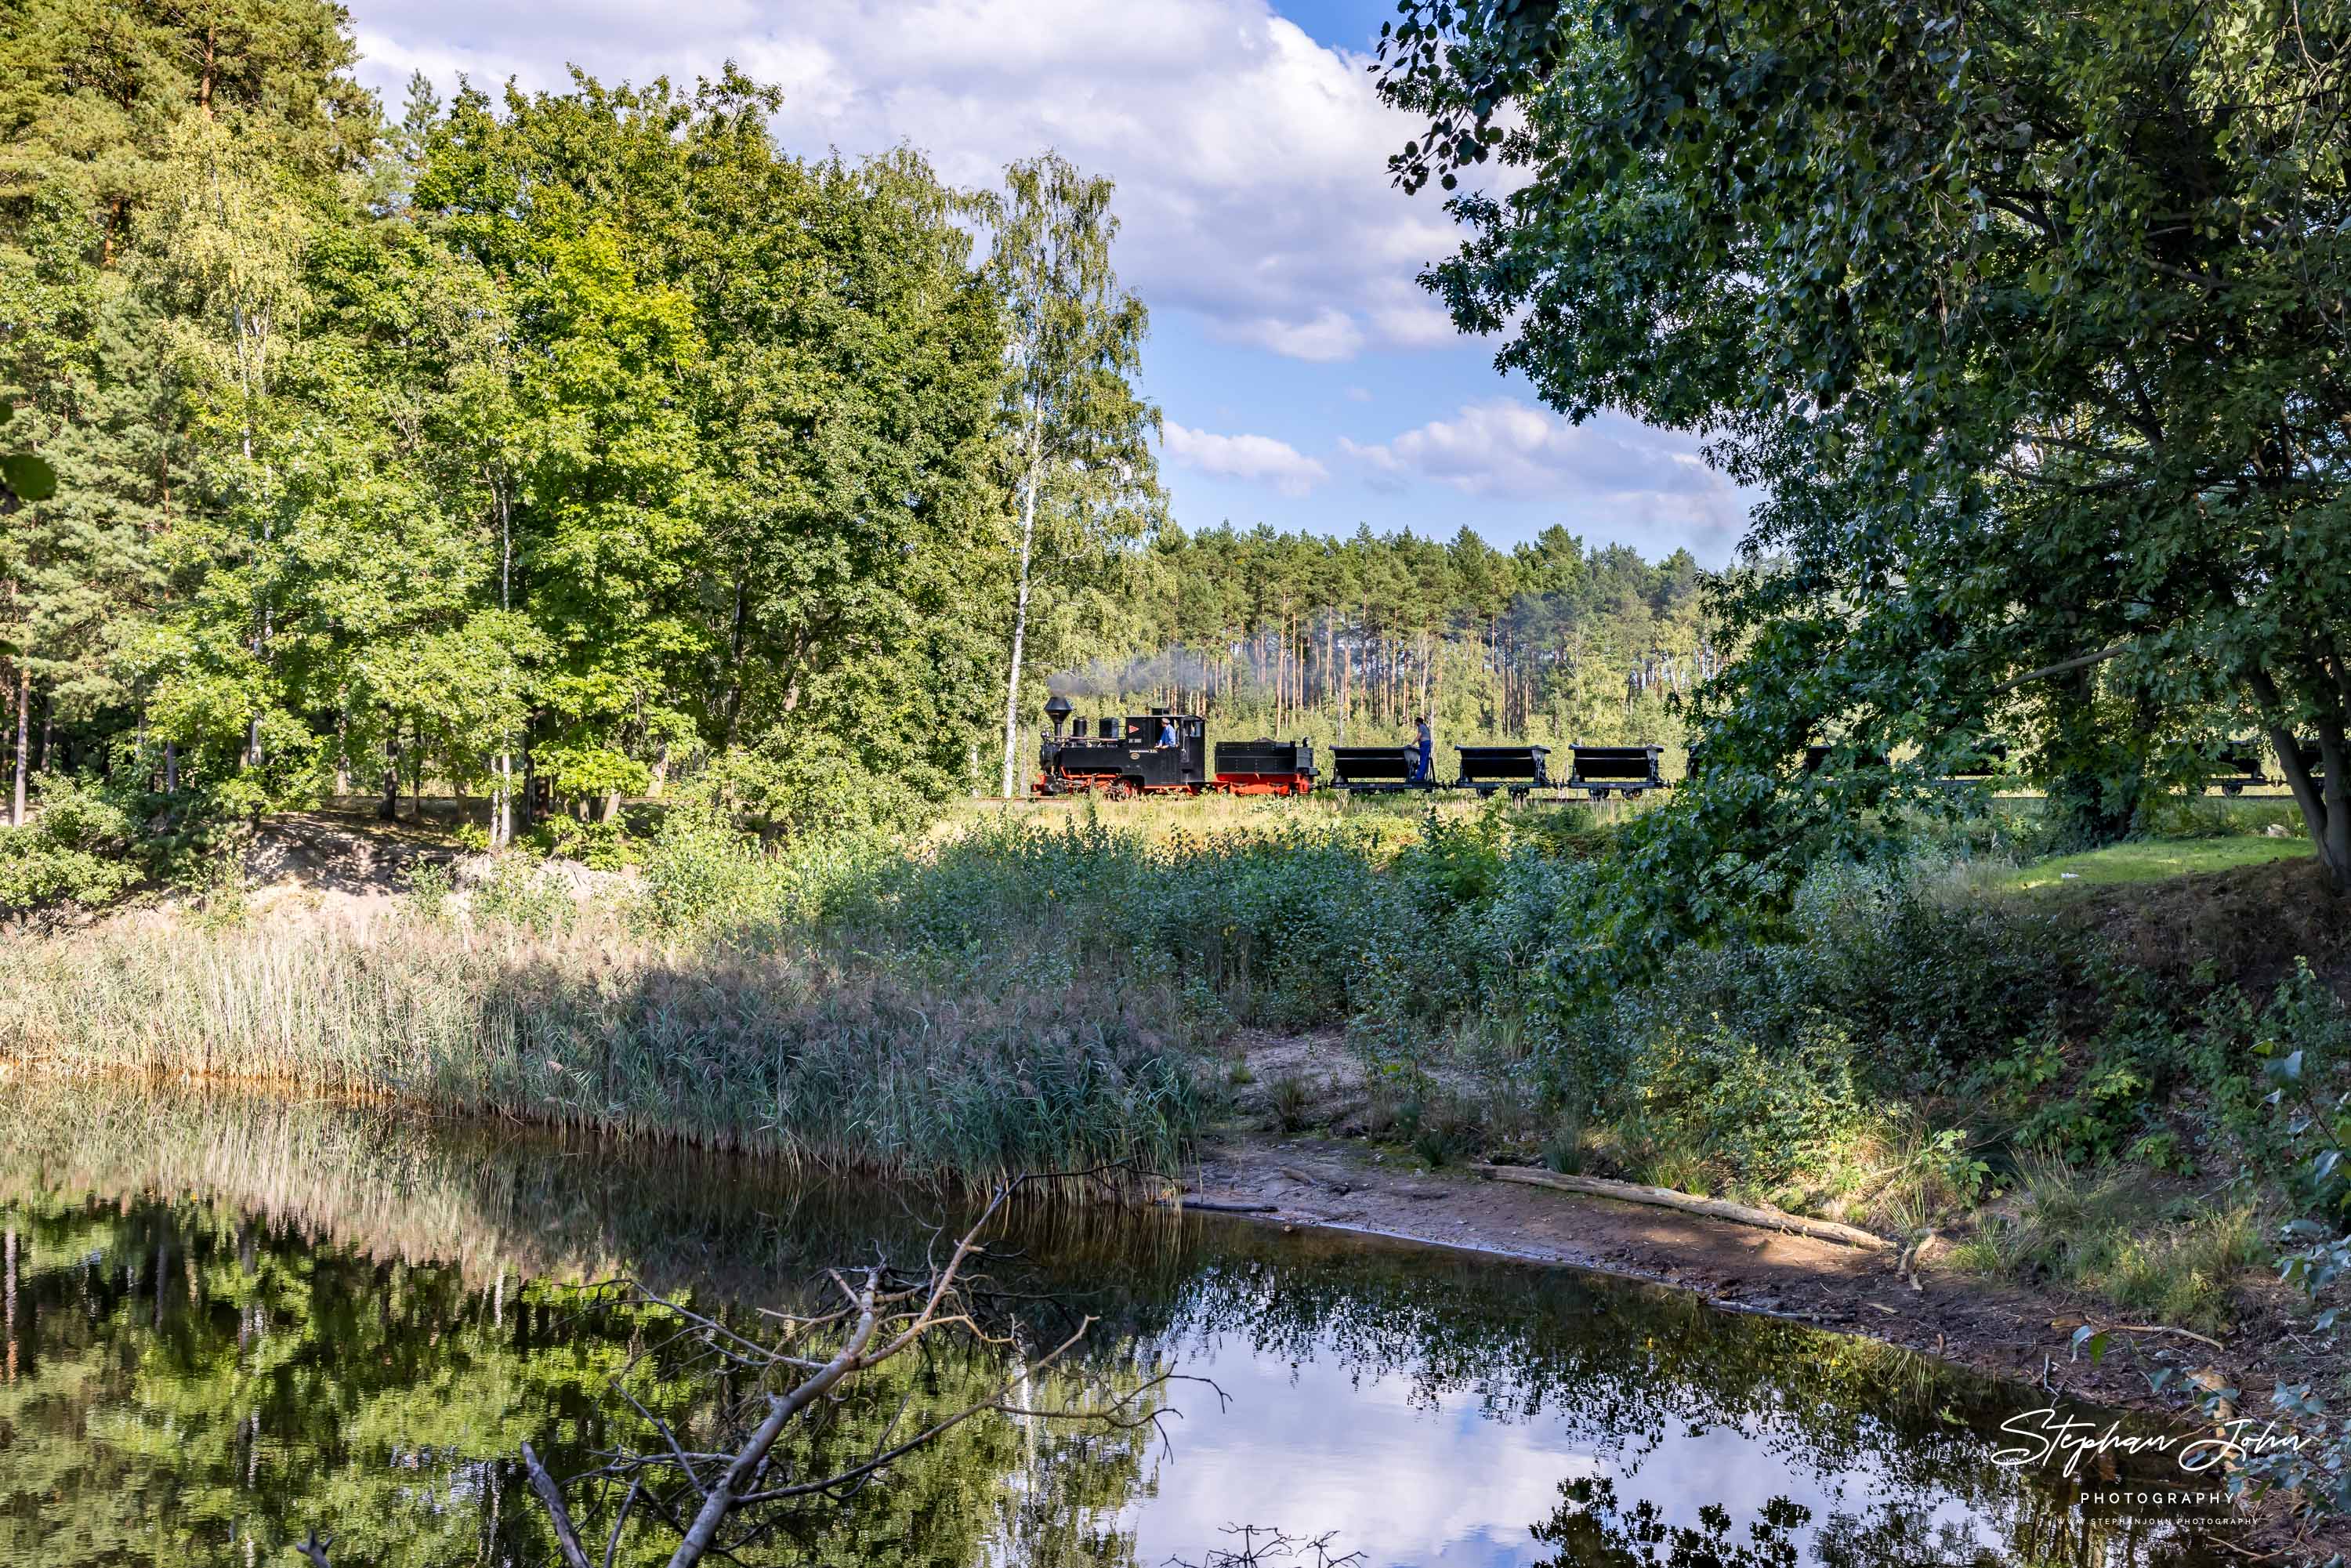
<point x="1057" y="708"/>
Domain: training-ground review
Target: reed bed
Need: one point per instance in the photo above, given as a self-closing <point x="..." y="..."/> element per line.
<point x="821" y="1060"/>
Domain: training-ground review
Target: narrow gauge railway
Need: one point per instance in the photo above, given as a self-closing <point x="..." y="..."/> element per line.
<point x="1161" y="752"/>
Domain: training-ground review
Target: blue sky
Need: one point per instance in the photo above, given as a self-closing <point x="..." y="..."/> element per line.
<point x="1305" y="379"/>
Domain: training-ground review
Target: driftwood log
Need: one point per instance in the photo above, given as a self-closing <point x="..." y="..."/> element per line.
<point x="1713" y="1208"/>
<point x="1218" y="1205"/>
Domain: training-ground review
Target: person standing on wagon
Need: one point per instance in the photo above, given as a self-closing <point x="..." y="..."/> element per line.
<point x="1424" y="746"/>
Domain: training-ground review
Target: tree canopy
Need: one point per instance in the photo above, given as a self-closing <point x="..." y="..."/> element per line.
<point x="539" y="442"/>
<point x="2030" y="322"/>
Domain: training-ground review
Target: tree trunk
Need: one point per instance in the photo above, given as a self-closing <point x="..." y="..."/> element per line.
<point x="24" y="725"/>
<point x="388" y="811"/>
<point x="502" y="805"/>
<point x="502" y="796"/>
<point x="170" y="767"/>
<point x="2324" y="797"/>
<point x="1019" y="629"/>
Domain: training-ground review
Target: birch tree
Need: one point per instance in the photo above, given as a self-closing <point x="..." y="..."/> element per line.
<point x="1076" y="432"/>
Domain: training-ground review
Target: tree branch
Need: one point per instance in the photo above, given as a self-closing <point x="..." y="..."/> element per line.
<point x="2064" y="666"/>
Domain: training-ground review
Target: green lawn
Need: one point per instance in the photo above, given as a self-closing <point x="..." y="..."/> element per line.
<point x="2151" y="861"/>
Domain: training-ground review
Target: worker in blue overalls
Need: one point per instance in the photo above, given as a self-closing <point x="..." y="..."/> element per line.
<point x="1424" y="745"/>
<point x="1167" y="740"/>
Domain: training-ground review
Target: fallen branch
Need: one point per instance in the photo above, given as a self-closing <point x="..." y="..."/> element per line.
<point x="567" y="1534"/>
<point x="731" y="1485"/>
<point x="2164" y="1328"/>
<point x="1713" y="1208"/>
<point x="1214" y="1205"/>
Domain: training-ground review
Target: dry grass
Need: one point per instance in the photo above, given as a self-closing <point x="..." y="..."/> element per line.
<point x="2178" y="1258"/>
<point x="827" y="1061"/>
<point x="1159" y="820"/>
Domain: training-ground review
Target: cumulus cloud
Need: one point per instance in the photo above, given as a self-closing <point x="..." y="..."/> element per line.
<point x="1250" y="159"/>
<point x="1510" y="450"/>
<point x="1258" y="459"/>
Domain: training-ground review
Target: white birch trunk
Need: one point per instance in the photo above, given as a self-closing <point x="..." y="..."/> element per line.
<point x="502" y="801"/>
<point x="1019" y="627"/>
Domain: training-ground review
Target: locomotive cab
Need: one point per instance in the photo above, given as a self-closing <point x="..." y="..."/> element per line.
<point x="1124" y="756"/>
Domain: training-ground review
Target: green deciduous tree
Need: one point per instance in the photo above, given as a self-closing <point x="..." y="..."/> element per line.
<point x="2031" y="321"/>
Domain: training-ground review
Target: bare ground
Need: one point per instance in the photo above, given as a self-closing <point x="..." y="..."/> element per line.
<point x="2016" y="1332"/>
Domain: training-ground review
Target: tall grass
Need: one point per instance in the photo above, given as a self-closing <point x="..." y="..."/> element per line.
<point x="821" y="1058"/>
<point x="2177" y="1257"/>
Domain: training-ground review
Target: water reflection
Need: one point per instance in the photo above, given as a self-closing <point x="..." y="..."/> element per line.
<point x="228" y="1321"/>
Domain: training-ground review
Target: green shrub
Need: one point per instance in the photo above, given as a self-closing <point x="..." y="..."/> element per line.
<point x="2202" y="817"/>
<point x="1289" y="1098"/>
<point x="523" y="894"/>
<point x="1445" y="1128"/>
<point x="428" y="888"/>
<point x="81" y="847"/>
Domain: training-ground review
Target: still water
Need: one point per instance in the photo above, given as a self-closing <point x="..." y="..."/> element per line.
<point x="231" y="1320"/>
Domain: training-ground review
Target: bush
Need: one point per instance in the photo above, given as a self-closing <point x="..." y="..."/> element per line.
<point x="79" y="848"/>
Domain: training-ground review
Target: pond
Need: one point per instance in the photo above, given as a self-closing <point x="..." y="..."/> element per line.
<point x="230" y="1321"/>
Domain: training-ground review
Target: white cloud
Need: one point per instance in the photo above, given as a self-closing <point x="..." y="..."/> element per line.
<point x="1259" y="458"/>
<point x="1329" y="335"/>
<point x="1250" y="159"/>
<point x="1506" y="449"/>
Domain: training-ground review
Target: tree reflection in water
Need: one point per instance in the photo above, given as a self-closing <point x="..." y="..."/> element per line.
<point x="229" y="1321"/>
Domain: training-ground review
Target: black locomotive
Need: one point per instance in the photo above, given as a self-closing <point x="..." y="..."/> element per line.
<point x="1163" y="753"/>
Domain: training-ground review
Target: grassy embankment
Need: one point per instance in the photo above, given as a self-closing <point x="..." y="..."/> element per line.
<point x="2060" y="1076"/>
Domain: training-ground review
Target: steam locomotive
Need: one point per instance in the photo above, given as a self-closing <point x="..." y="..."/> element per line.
<point x="1124" y="756"/>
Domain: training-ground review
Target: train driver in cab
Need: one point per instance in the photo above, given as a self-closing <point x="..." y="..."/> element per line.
<point x="1168" y="740"/>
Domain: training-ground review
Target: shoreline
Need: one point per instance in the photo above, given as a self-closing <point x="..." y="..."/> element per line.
<point x="1996" y="1329"/>
<point x="1312" y="1179"/>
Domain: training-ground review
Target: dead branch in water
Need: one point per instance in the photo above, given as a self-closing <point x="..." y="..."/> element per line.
<point x="1261" y="1547"/>
<point x="723" y="1498"/>
<point x="1713" y="1208"/>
